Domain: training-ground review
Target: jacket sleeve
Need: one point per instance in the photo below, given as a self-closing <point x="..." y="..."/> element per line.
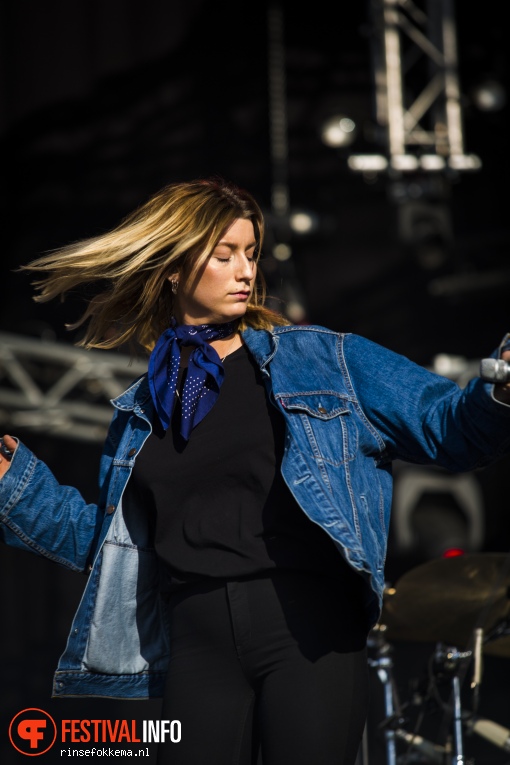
<point x="424" y="417"/>
<point x="41" y="515"/>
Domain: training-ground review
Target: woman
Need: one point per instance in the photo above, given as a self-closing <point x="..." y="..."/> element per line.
<point x="236" y="553"/>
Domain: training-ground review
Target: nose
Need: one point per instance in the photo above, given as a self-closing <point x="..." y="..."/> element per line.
<point x="245" y="268"/>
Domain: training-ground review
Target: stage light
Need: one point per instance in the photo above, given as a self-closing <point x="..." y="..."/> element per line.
<point x="282" y="251"/>
<point x="432" y="162"/>
<point x="453" y="552"/>
<point x="464" y="162"/>
<point x="404" y="162"/>
<point x="367" y="163"/>
<point x="338" y="131"/>
<point x="303" y="222"/>
<point x="489" y="96"/>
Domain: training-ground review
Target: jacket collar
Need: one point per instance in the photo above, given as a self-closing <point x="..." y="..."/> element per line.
<point x="262" y="343"/>
<point x="135" y="397"/>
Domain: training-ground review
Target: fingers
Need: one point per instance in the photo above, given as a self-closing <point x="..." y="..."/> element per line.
<point x="10" y="442"/>
<point x="7" y="448"/>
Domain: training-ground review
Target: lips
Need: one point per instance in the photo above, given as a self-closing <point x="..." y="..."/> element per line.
<point x="241" y="295"/>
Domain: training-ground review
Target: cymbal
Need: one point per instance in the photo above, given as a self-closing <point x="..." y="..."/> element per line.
<point x="445" y="599"/>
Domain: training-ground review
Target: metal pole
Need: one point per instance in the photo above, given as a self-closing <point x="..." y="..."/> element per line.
<point x="395" y="105"/>
<point x="383" y="663"/>
<point x="452" y="89"/>
<point x="458" y="757"/>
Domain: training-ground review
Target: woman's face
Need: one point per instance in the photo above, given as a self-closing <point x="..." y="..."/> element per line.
<point x="221" y="290"/>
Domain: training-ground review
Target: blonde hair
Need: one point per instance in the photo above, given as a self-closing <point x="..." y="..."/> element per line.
<point x="176" y="230"/>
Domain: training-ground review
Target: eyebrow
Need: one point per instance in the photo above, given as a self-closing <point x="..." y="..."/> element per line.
<point x="233" y="245"/>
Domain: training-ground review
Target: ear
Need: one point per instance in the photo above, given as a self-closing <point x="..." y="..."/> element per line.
<point x="173" y="277"/>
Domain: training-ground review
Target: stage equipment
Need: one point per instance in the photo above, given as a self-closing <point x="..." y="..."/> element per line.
<point x="279" y="268"/>
<point x="60" y="389"/>
<point x="463" y="605"/>
<point x="338" y="131"/>
<point x="417" y="90"/>
<point x="435" y="511"/>
<point x="447" y="599"/>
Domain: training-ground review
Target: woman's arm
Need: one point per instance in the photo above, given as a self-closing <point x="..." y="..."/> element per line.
<point x="423" y="417"/>
<point x="39" y="514"/>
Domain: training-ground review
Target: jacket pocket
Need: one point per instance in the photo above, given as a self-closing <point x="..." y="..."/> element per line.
<point x="324" y="423"/>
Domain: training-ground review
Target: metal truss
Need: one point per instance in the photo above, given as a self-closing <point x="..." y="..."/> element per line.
<point x="60" y="389"/>
<point x="417" y="91"/>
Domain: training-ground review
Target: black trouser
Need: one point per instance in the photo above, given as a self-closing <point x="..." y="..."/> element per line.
<point x="276" y="664"/>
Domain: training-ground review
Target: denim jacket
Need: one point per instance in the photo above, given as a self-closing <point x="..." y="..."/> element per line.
<point x="350" y="406"/>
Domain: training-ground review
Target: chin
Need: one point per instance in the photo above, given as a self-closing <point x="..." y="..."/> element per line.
<point x="231" y="315"/>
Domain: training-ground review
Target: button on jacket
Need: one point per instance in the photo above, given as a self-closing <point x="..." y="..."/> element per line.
<point x="350" y="406"/>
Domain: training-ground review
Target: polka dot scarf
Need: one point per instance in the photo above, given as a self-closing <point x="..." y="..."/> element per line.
<point x="204" y="377"/>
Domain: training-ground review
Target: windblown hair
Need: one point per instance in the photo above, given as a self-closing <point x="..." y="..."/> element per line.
<point x="176" y="230"/>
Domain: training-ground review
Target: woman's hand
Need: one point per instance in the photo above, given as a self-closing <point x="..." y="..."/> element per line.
<point x="10" y="444"/>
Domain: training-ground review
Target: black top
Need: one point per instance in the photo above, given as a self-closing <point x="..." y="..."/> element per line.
<point x="220" y="504"/>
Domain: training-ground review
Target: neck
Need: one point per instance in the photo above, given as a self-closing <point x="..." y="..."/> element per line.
<point x="228" y="345"/>
<point x="188" y="321"/>
<point x="223" y="346"/>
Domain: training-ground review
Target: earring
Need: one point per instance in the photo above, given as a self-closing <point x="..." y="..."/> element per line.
<point x="174" y="283"/>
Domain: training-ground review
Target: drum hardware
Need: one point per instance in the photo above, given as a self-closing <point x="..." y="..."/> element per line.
<point x="463" y="605"/>
<point x="391" y="725"/>
<point x="462" y="601"/>
<point x="490" y="731"/>
<point x="383" y="664"/>
<point x="450" y="660"/>
<point x="419" y="749"/>
<point x="444" y="665"/>
<point x="425" y="751"/>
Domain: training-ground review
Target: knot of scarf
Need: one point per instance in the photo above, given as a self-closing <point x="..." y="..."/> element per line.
<point x="204" y="377"/>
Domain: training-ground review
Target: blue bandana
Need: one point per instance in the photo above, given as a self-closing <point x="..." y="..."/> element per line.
<point x="203" y="380"/>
